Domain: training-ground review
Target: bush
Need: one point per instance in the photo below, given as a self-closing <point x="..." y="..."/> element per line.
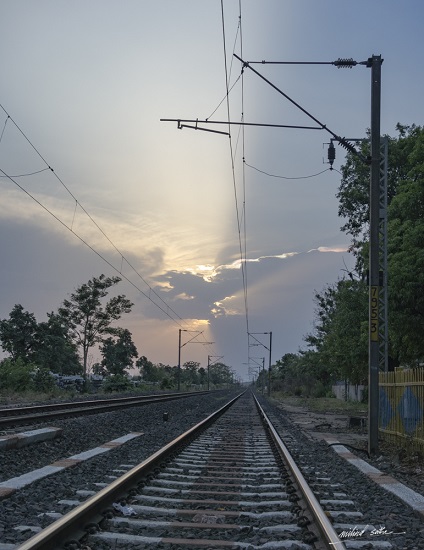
<point x="166" y="384"/>
<point x="319" y="390"/>
<point x="116" y="383"/>
<point x="42" y="380"/>
<point x="16" y="375"/>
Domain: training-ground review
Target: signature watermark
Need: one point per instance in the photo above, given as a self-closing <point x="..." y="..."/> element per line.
<point x="357" y="532"/>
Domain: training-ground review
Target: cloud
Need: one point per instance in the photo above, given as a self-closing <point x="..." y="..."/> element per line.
<point x="183" y="296"/>
<point x="224" y="307"/>
<point x="218" y="291"/>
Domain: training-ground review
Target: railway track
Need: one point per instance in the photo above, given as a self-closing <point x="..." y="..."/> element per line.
<point x="18" y="416"/>
<point x="226" y="483"/>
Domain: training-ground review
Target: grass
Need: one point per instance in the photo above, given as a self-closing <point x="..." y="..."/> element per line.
<point x="322" y="404"/>
<point x="8" y="397"/>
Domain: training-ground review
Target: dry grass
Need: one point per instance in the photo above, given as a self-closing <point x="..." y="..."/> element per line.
<point x="322" y="404"/>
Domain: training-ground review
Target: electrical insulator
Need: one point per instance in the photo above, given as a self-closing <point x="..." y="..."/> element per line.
<point x="345" y="63"/>
<point x="331" y="154"/>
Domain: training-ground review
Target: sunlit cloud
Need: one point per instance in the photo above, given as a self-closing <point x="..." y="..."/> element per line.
<point x="329" y="249"/>
<point x="210" y="272"/>
<point x="183" y="296"/>
<point x="225" y="307"/>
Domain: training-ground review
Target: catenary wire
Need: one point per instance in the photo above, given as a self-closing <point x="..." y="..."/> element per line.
<point x="246" y="305"/>
<point x="29" y="174"/>
<point x="242" y="261"/>
<point x="229" y="77"/>
<point x="77" y="203"/>
<point x="4" y="128"/>
<point x="286" y="177"/>
<point x="89" y="246"/>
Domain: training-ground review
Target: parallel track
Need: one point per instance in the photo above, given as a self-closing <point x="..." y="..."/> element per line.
<point x="18" y="416"/>
<point x="226" y="483"/>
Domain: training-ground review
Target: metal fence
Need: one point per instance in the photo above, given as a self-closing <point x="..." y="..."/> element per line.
<point x="401" y="407"/>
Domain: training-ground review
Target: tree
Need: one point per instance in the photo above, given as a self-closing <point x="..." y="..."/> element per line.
<point x="55" y="350"/>
<point x="16" y="375"/>
<point x="220" y="373"/>
<point x="87" y="319"/>
<point x="189" y="374"/>
<point x="340" y="336"/>
<point x="18" y="334"/>
<point x="118" y="353"/>
<point x="148" y="370"/>
<point x="405" y="236"/>
<point x="353" y="193"/>
<point x="203" y="376"/>
<point x="406" y="262"/>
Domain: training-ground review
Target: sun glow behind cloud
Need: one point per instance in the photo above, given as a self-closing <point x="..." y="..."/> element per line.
<point x="165" y="197"/>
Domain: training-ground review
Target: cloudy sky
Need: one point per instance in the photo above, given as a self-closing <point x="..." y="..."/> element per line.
<point x="85" y="84"/>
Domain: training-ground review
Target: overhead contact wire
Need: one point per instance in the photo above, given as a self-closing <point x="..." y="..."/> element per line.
<point x="83" y="241"/>
<point x="286" y="177"/>
<point x="246" y="305"/>
<point x="77" y="203"/>
<point x="242" y="262"/>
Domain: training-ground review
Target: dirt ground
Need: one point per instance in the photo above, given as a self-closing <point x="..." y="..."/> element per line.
<point x="349" y="427"/>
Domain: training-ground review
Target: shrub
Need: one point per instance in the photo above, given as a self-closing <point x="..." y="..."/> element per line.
<point x="116" y="383"/>
<point x="16" y="375"/>
<point x="42" y="380"/>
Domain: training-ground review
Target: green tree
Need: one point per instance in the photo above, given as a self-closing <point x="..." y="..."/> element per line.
<point x="42" y="380"/>
<point x="16" y="375"/>
<point x="18" y="334"/>
<point x="203" y="376"/>
<point x="220" y="374"/>
<point x="406" y="262"/>
<point x="99" y="369"/>
<point x="118" y="352"/>
<point x="86" y="317"/>
<point x="189" y="374"/>
<point x="340" y="335"/>
<point x="148" y="371"/>
<point x="54" y="349"/>
<point x="353" y="193"/>
<point x="405" y="236"/>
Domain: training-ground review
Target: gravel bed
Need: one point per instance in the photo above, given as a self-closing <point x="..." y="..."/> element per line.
<point x="379" y="507"/>
<point x="28" y="505"/>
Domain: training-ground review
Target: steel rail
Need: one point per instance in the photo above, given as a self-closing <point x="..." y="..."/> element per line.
<point x="46" y="412"/>
<point x="73" y="404"/>
<point x="325" y="527"/>
<point x="58" y="533"/>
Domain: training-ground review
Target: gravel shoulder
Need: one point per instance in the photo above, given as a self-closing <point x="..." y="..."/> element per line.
<point x="408" y="468"/>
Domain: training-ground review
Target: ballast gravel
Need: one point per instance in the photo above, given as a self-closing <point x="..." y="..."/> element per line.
<point x="34" y="506"/>
<point x="383" y="510"/>
<point x="38" y="504"/>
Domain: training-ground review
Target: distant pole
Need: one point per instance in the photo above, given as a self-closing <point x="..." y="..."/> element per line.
<point x="374" y="63"/>
<point x="263" y="376"/>
<point x="179" y="360"/>
<point x="269" y="364"/>
<point x="209" y="363"/>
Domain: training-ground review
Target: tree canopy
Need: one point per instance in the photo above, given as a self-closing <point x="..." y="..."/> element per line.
<point x="86" y="316"/>
<point x="118" y="353"/>
<point x="18" y="334"/>
<point x="338" y="344"/>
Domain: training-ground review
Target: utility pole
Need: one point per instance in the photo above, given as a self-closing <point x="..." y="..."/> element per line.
<point x="377" y="283"/>
<point x="268" y="348"/>
<point x="269" y="365"/>
<point x="374" y="63"/>
<point x="197" y="333"/>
